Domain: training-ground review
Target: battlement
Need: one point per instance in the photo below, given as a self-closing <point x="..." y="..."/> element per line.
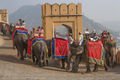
<point x="4" y="15"/>
<point x="61" y="10"/>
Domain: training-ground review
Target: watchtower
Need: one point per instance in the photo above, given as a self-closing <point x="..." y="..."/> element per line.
<point x="4" y="15"/>
<point x="55" y="15"/>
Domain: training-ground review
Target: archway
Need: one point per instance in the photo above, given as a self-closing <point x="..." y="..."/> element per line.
<point x="62" y="31"/>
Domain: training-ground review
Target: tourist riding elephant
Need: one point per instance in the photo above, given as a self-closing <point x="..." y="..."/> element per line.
<point x="39" y="53"/>
<point x="20" y="42"/>
<point x="81" y="56"/>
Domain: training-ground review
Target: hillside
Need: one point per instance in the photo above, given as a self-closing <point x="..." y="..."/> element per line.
<point x="31" y="15"/>
<point x="114" y="25"/>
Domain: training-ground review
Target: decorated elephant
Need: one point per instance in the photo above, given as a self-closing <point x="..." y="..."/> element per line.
<point x="81" y="55"/>
<point x="20" y="42"/>
<point x="39" y="53"/>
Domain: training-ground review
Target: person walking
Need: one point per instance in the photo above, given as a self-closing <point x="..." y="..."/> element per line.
<point x="80" y="38"/>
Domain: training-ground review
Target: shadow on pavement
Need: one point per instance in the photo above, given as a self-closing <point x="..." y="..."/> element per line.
<point x="14" y="59"/>
<point x="6" y="47"/>
<point x="116" y="69"/>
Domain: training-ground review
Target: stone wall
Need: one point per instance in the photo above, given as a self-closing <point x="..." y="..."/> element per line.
<point x="55" y="15"/>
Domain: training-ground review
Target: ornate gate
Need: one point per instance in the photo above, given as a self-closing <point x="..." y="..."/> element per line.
<point x="56" y="15"/>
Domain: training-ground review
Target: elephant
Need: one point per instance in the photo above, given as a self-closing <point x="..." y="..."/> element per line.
<point x="20" y="42"/>
<point x="75" y="51"/>
<point x="80" y="54"/>
<point x="110" y="47"/>
<point x="39" y="53"/>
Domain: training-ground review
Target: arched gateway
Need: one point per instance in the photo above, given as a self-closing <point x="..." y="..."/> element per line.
<point x="56" y="15"/>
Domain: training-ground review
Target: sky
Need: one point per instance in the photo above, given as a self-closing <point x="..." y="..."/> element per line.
<point x="97" y="10"/>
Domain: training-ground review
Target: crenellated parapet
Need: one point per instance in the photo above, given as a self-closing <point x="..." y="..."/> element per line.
<point x="62" y="9"/>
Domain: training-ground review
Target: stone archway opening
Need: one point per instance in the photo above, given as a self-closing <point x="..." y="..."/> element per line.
<point x="62" y="31"/>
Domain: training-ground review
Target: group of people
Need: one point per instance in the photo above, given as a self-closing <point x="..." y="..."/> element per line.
<point x="20" y="24"/>
<point x="93" y="36"/>
<point x="39" y="32"/>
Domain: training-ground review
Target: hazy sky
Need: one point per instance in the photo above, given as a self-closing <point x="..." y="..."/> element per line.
<point x="98" y="10"/>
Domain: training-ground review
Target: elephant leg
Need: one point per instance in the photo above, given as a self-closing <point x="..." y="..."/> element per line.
<point x="18" y="53"/>
<point x="14" y="45"/>
<point x="33" y="57"/>
<point x="107" y="62"/>
<point x="105" y="65"/>
<point x="95" y="68"/>
<point x="39" y="61"/>
<point x="88" y="67"/>
<point x="76" y="64"/>
<point x="68" y="61"/>
<point x="39" y="58"/>
<point x="44" y="60"/>
<point x="47" y="62"/>
<point x="25" y="52"/>
<point x="21" y="53"/>
<point x="36" y="60"/>
<point x="63" y="63"/>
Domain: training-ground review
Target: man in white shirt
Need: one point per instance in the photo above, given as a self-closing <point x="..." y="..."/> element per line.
<point x="80" y="38"/>
<point x="93" y="35"/>
<point x="87" y="31"/>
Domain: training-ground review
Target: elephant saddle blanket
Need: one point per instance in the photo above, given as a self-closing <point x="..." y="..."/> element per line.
<point x="32" y="42"/>
<point x="60" y="48"/>
<point x="19" y="31"/>
<point x="95" y="52"/>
